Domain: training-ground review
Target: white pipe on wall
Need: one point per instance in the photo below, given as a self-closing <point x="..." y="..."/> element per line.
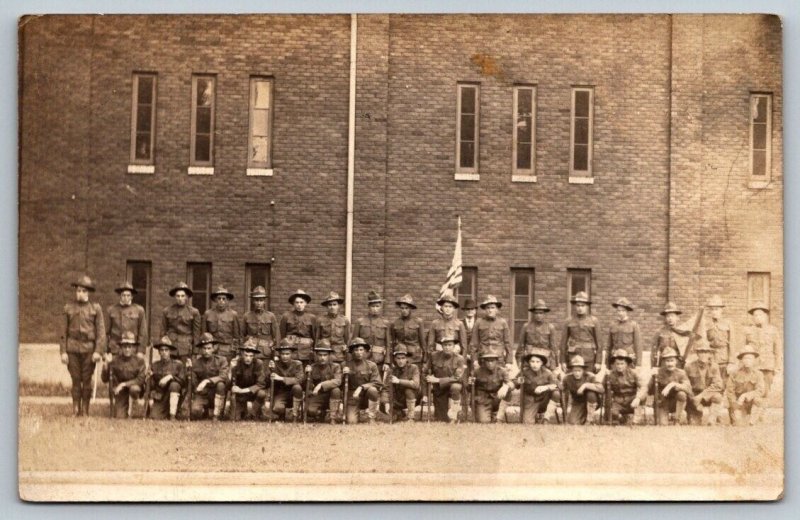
<point x="351" y="145"/>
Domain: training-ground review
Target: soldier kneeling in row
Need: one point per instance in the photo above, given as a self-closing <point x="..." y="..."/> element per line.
<point x="248" y="380"/>
<point x="745" y="389"/>
<point x="126" y="373"/>
<point x="289" y="377"/>
<point x="325" y="378"/>
<point x="538" y="386"/>
<point x="404" y="381"/>
<point x="168" y="378"/>
<point x="445" y="373"/>
<point x="584" y="392"/>
<point x="212" y="373"/>
<point x="674" y="389"/>
<point x="705" y="406"/>
<point x="492" y="390"/>
<point x="626" y="389"/>
<point x="364" y="382"/>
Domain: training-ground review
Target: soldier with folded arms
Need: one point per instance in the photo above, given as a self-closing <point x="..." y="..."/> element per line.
<point x="405" y="379"/>
<point x="374" y="329"/>
<point x="364" y="382"/>
<point x="289" y="379"/>
<point x="334" y="327"/>
<point x="626" y="387"/>
<point x="581" y="333"/>
<point x="168" y="380"/>
<point x="446" y="372"/>
<point x="223" y="323"/>
<point x="674" y="387"/>
<point x="181" y="322"/>
<point x="261" y="324"/>
<point x="745" y="389"/>
<point x="705" y="405"/>
<point x="584" y="392"/>
<point x="299" y="326"/>
<point x="539" y="388"/>
<point x="493" y="388"/>
<point x="249" y="381"/>
<point x="127" y="373"/>
<point x="326" y="379"/>
<point x="210" y="375"/>
<point x="624" y="333"/>
<point x="766" y="339"/>
<point x="126" y="316"/>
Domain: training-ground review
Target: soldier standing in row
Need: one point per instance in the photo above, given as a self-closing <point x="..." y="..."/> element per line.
<point x="405" y="380"/>
<point x="624" y="334"/>
<point x="707" y="387"/>
<point x="261" y="324"/>
<point x="538" y="333"/>
<point x="126" y="375"/>
<point x="289" y="379"/>
<point x="674" y="387"/>
<point x="364" y="382"/>
<point x="326" y="378"/>
<point x="334" y="327"/>
<point x="181" y="322"/>
<point x="83" y="343"/>
<point x="445" y="371"/>
<point x="249" y="381"/>
<point x="583" y="391"/>
<point x="627" y="390"/>
<point x="470" y="309"/>
<point x="223" y="323"/>
<point x="300" y="325"/>
<point x="447" y="324"/>
<point x="491" y="334"/>
<point x="126" y="316"/>
<point x="409" y="331"/>
<point x="168" y="379"/>
<point x="767" y="341"/>
<point x="666" y="338"/>
<point x="719" y="332"/>
<point x="209" y="372"/>
<point x="538" y="387"/>
<point x="745" y="389"/>
<point x="374" y="328"/>
<point x="493" y="388"/>
<point x="580" y="335"/>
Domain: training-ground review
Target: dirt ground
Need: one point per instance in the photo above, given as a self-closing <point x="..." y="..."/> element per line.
<point x="50" y="440"/>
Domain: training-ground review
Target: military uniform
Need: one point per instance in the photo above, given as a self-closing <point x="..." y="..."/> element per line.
<point x="224" y="326"/>
<point x="442" y="327"/>
<point x="666" y="338"/>
<point x="216" y="370"/>
<point x="469" y="323"/>
<point x="538" y="335"/>
<point x="127" y="318"/>
<point x="767" y="341"/>
<point x="128" y="370"/>
<point x="261" y="325"/>
<point x="335" y="328"/>
<point x="166" y="398"/>
<point x="329" y="376"/>
<point x="407" y="390"/>
<point x="252" y="377"/>
<point x="491" y="335"/>
<point x="707" y="387"/>
<point x="289" y="392"/>
<point x="300" y="325"/>
<point x="365" y="374"/>
<point x="488" y="382"/>
<point x="83" y="341"/>
<point x="720" y="336"/>
<point x="375" y="331"/>
<point x="625" y="335"/>
<point x="534" y="405"/>
<point x="449" y="368"/>
<point x="181" y="323"/>
<point x="623" y="387"/>
<point x="581" y="406"/>
<point x="675" y="401"/>
<point x="746" y="384"/>
<point x="581" y="335"/>
<point x="410" y="332"/>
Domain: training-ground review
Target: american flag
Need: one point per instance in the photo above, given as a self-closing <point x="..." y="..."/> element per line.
<point x="454" y="274"/>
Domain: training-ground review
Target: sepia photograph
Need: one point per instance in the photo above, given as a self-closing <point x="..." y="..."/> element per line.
<point x="400" y="257"/>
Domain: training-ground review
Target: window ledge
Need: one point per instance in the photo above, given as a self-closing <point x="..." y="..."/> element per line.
<point x="581" y="180"/>
<point x="142" y="169"/>
<point x="523" y="178"/>
<point x="200" y="170"/>
<point x="259" y="172"/>
<point x="758" y="184"/>
<point x="468" y="176"/>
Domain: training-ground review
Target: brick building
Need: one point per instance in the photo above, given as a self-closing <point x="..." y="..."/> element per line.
<point x="628" y="155"/>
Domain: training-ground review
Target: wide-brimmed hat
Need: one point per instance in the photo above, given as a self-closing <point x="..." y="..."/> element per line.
<point x="490" y="298"/>
<point x="205" y="339"/>
<point x="702" y="345"/>
<point x="166" y="342"/>
<point x="181" y="287"/>
<point x="489" y="355"/>
<point x="577" y="361"/>
<point x="222" y="290"/>
<point x="323" y="345"/>
<point x="748" y="349"/>
<point x="669" y="352"/>
<point x="125" y="286"/>
<point x="624" y="303"/>
<point x="448" y="297"/>
<point x="286" y="344"/>
<point x="758" y="305"/>
<point x="449" y="337"/>
<point x="128" y="338"/>
<point x="373" y="297"/>
<point x="581" y="297"/>
<point x="302" y="294"/>
<point x="358" y="342"/>
<point x="540" y="305"/>
<point x="332" y="297"/>
<point x="670" y="308"/>
<point x="621" y="353"/>
<point x="407" y="300"/>
<point x="258" y="292"/>
<point x="541" y="353"/>
<point x="715" y="301"/>
<point x="250" y="345"/>
<point x="400" y="348"/>
<point x="85" y="282"/>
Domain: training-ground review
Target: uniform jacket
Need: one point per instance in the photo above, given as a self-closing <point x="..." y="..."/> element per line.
<point x="375" y="330"/>
<point x="410" y="332"/>
<point x="626" y="385"/>
<point x="364" y="372"/>
<point x="84" y="329"/>
<point x="666" y="376"/>
<point x="124" y="370"/>
<point x="225" y="327"/>
<point x="745" y="381"/>
<point x="452" y="327"/>
<point x="531" y="379"/>
<point x="164" y="367"/>
<point x="767" y="341"/>
<point x="295" y="323"/>
<point x="492" y="336"/>
<point x="408" y="376"/>
<point x="130" y="318"/>
<point x="625" y="335"/>
<point x="581" y="336"/>
<point x="329" y="374"/>
<point x="666" y="339"/>
<point x="292" y="372"/>
<point x="448" y="369"/>
<point x="253" y="376"/>
<point x="704" y="378"/>
<point x="335" y="329"/>
<point x="182" y="324"/>
<point x="541" y="335"/>
<point x="262" y="325"/>
<point x="214" y="368"/>
<point x="720" y="336"/>
<point x="488" y="382"/>
<point x="571" y="383"/>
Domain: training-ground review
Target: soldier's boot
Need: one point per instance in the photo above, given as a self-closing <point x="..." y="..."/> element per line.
<point x="501" y="412"/>
<point x="297" y="405"/>
<point x="219" y="402"/>
<point x="174" y="398"/>
<point x="76" y="408"/>
<point x="85" y="405"/>
<point x="755" y="415"/>
<point x="539" y="419"/>
<point x="333" y="409"/>
<point x="736" y="417"/>
<point x="714" y="413"/>
<point x="131" y="402"/>
<point x="410" y="405"/>
<point x="550" y="415"/>
<point x="591" y="413"/>
<point x="453" y="409"/>
<point x="372" y="411"/>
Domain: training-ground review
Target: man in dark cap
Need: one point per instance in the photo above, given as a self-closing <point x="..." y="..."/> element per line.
<point x="249" y="382"/>
<point x="538" y="333"/>
<point x="325" y="381"/>
<point x="470" y="310"/>
<point x="581" y="333"/>
<point x="181" y="322"/>
<point x="223" y="323"/>
<point x="299" y="326"/>
<point x="289" y="378"/>
<point x="583" y="392"/>
<point x="674" y="387"/>
<point x="167" y="381"/>
<point x="126" y="375"/>
<point x="334" y="327"/>
<point x="539" y="388"/>
<point x="447" y="373"/>
<point x="374" y="329"/>
<point x="491" y="333"/>
<point x="624" y="333"/>
<point x="493" y="388"/>
<point x="364" y="382"/>
<point x="83" y="343"/>
<point x="626" y="388"/>
<point x="126" y="316"/>
<point x="261" y="324"/>
<point x="209" y="372"/>
<point x="405" y="381"/>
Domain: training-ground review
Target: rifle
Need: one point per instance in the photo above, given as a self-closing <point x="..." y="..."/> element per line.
<point x="563" y="389"/>
<point x="307" y="396"/>
<point x="111" y="396"/>
<point x="430" y="396"/>
<point x="148" y="382"/>
<point x="471" y="393"/>
<point x="607" y="399"/>
<point x="346" y="396"/>
<point x="656" y="390"/>
<point x="271" y="392"/>
<point x="190" y="385"/>
<point x="695" y="334"/>
<point x="387" y="382"/>
<point x="234" y="401"/>
<point x="521" y="395"/>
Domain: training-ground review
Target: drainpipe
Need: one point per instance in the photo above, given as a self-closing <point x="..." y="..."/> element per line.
<point x="351" y="145"/>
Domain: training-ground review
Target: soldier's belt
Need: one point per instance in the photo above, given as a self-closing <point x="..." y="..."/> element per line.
<point x="303" y="341"/>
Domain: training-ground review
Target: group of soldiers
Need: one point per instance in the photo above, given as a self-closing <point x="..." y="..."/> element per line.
<point x="324" y="368"/>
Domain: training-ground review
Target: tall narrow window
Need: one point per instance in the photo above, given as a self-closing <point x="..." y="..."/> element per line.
<point x="143" y="119"/>
<point x="468" y="126"/>
<point x="138" y="273"/>
<point x="198" y="277"/>
<point x="760" y="136"/>
<point x="468" y="287"/>
<point x="521" y="299"/>
<point x="758" y="289"/>
<point x="580" y="159"/>
<point x="255" y="275"/>
<point x="578" y="280"/>
<point x="524" y="134"/>
<point x="259" y="155"/>
<point x="202" y="142"/>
